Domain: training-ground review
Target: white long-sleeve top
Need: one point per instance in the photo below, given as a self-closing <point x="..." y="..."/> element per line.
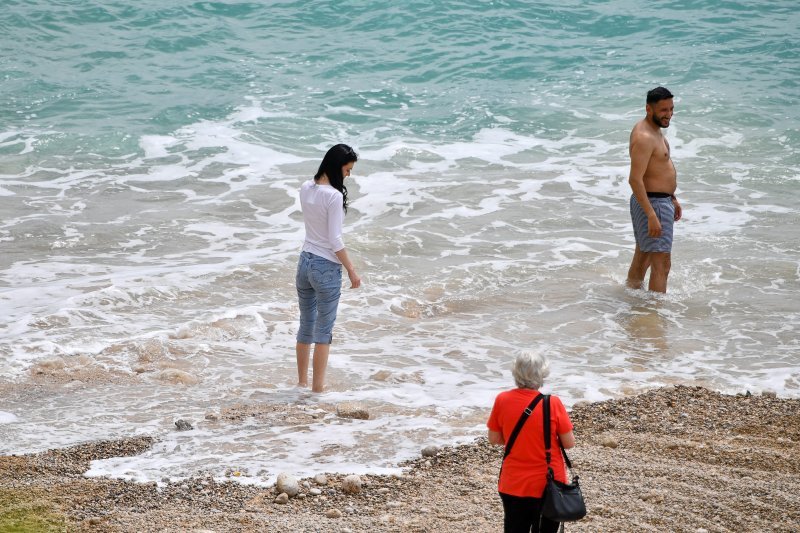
<point x="323" y="216"/>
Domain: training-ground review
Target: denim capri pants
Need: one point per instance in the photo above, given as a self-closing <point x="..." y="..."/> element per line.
<point x="319" y="284"/>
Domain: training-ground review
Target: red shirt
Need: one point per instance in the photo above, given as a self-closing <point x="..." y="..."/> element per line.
<point x="525" y="469"/>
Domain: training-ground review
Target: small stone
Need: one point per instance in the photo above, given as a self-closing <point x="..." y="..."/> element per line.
<point x="383" y="490"/>
<point x="769" y="394"/>
<point x="314" y="492"/>
<point x="95" y="521"/>
<point x="321" y="479"/>
<point x="608" y="441"/>
<point x="333" y="513"/>
<point x="393" y="505"/>
<point x="255" y="503"/>
<point x="282" y="498"/>
<point x="381" y="375"/>
<point x="430" y="451"/>
<point x="212" y="417"/>
<point x="352" y="410"/>
<point x="652" y="496"/>
<point x="287" y="484"/>
<point x="351" y="484"/>
<point x="183" y="425"/>
<point x="701" y="530"/>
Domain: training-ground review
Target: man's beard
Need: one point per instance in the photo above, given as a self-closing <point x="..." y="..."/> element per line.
<point x="659" y="122"/>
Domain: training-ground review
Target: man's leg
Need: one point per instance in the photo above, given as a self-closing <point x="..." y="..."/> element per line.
<point x="321" y="352"/>
<point x="660" y="264"/>
<point x="303" y="350"/>
<point x="639" y="265"/>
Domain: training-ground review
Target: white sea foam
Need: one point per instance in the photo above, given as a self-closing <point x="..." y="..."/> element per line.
<point x="167" y="292"/>
<point x="7" y="418"/>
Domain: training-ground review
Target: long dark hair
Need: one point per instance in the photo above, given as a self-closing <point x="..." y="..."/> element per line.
<point x="337" y="157"/>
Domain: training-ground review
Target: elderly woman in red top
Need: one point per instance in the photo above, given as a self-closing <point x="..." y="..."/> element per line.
<point x="524" y="472"/>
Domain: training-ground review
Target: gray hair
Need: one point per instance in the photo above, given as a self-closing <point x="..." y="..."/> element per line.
<point x="530" y="369"/>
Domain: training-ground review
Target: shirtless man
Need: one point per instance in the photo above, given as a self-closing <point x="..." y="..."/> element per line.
<point x="653" y="180"/>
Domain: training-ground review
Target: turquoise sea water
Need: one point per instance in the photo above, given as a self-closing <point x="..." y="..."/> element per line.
<point x="150" y="156"/>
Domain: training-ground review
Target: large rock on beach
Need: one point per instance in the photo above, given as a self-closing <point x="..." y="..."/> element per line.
<point x="178" y="377"/>
<point x="287" y="484"/>
<point x="352" y="410"/>
<point x="183" y="425"/>
<point x="430" y="451"/>
<point x="351" y="484"/>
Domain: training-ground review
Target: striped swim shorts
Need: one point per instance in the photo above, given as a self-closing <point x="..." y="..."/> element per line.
<point x="665" y="211"/>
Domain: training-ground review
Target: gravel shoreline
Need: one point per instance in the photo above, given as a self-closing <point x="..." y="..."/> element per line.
<point x="672" y="459"/>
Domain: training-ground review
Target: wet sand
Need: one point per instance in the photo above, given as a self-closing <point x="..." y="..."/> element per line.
<point x="672" y="459"/>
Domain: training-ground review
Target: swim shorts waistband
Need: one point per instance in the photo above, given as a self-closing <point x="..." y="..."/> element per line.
<point x="659" y="195"/>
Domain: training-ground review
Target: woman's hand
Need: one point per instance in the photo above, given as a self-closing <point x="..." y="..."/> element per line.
<point x="355" y="280"/>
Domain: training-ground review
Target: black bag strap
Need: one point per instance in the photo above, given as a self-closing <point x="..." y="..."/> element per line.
<point x="547" y="437"/>
<point x="525" y="414"/>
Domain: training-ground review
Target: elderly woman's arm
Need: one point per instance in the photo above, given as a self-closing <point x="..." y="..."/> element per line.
<point x="567" y="439"/>
<point x="495" y="437"/>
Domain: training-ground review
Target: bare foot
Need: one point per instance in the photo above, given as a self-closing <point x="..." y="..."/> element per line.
<point x="302" y="385"/>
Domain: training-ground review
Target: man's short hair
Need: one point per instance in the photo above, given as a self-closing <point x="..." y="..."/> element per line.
<point x="658" y="94"/>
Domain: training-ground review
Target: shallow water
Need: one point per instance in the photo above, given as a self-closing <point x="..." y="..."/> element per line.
<point x="149" y="163"/>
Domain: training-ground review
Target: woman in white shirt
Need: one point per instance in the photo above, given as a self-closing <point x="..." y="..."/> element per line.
<point x="319" y="270"/>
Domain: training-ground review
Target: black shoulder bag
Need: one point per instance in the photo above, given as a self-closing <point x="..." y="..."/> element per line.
<point x="562" y="502"/>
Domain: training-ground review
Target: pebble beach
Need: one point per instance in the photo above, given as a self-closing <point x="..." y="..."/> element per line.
<point x="671" y="459"/>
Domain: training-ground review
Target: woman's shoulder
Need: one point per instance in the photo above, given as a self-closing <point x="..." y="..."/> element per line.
<point x="517" y="394"/>
<point x="556" y="402"/>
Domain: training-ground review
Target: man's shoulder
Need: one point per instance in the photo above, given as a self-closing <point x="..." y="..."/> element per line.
<point x="641" y="134"/>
